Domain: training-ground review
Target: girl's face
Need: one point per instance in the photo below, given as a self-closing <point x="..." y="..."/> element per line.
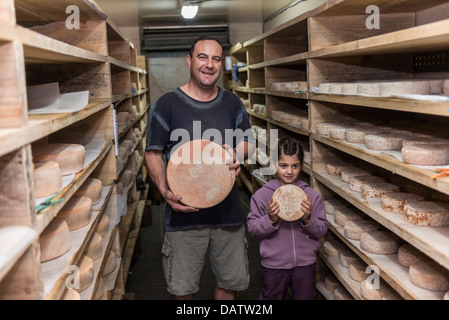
<point x="288" y="169"/>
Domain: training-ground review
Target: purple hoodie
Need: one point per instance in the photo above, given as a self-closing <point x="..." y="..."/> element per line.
<point x="286" y="245"/>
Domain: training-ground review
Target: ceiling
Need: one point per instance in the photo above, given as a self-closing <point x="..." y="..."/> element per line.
<point x="131" y="13"/>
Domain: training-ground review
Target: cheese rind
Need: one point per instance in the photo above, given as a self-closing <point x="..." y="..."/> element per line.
<point x="102" y="226"/>
<point x="289" y="198"/>
<point x="94" y="247"/>
<point x="383" y="141"/>
<point x="354" y="229"/>
<point x="331" y="282"/>
<point x="396" y="201"/>
<point x="408" y="255"/>
<point x="376" y="190"/>
<point x="379" y="242"/>
<point x="76" y="212"/>
<point x="47" y="178"/>
<point x="427" y="274"/>
<point x="91" y="188"/>
<point x="340" y="293"/>
<point x="357" y="271"/>
<point x="111" y="263"/>
<point x="332" y="248"/>
<point x="347" y="257"/>
<point x="343" y="215"/>
<point x="69" y="156"/>
<point x="427" y="213"/>
<point x="426" y="154"/>
<point x="55" y="240"/>
<point x="86" y="273"/>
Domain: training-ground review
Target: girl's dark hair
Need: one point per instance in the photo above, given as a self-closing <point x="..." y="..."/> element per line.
<point x="290" y="147"/>
<point x="200" y="38"/>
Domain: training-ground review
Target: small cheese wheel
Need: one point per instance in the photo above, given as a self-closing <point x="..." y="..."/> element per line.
<point x="396" y="201"/>
<point x="86" y="273"/>
<point x="391" y="88"/>
<point x="347" y="257"/>
<point x="348" y="173"/>
<point x="325" y="87"/>
<point x="69" y="156"/>
<point x="335" y="168"/>
<point x="335" y="88"/>
<point x="133" y="164"/>
<point x="350" y="88"/>
<point x="369" y="88"/>
<point x="133" y="113"/>
<point x="324" y="127"/>
<point x="94" y="247"/>
<point x="91" y="188"/>
<point x="417" y="141"/>
<point x="70" y="294"/>
<point x="343" y="215"/>
<point x="122" y="118"/>
<point x="126" y="178"/>
<point x="357" y="135"/>
<point x="128" y="145"/>
<point x="332" y="204"/>
<point x="102" y="226"/>
<point x="122" y="154"/>
<point x="353" y="229"/>
<point x="76" y="212"/>
<point x="289" y="198"/>
<point x="99" y="290"/>
<point x="368" y="291"/>
<point x="384" y="141"/>
<point x="426" y="154"/>
<point x="340" y="293"/>
<point x="379" y="242"/>
<point x="427" y="213"/>
<point x="55" y="240"/>
<point x="356" y="182"/>
<point x="111" y="263"/>
<point x="332" y="248"/>
<point x="47" y="178"/>
<point x="357" y="271"/>
<point x="427" y="274"/>
<point x="305" y="124"/>
<point x="376" y="190"/>
<point x="338" y="132"/>
<point x="408" y="255"/>
<point x="331" y="282"/>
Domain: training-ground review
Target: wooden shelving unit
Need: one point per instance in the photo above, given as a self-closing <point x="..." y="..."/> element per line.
<point x="38" y="48"/>
<point x="332" y="44"/>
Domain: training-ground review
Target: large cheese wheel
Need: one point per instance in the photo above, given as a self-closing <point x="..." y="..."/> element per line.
<point x="91" y="188"/>
<point x="127" y="178"/>
<point x="416" y="141"/>
<point x="47" y="178"/>
<point x="325" y="87"/>
<point x="332" y="248"/>
<point x="86" y="273"/>
<point x="427" y="274"/>
<point x="395" y="201"/>
<point x="94" y="247"/>
<point x="353" y="229"/>
<point x="338" y="132"/>
<point x="102" y="226"/>
<point x="333" y="204"/>
<point x="357" y="135"/>
<point x="368" y="291"/>
<point x="383" y="141"/>
<point x="350" y="88"/>
<point x="335" y="88"/>
<point x="340" y="293"/>
<point x="76" y="212"/>
<point x="331" y="282"/>
<point x="289" y="198"/>
<point x="427" y="213"/>
<point x="343" y="215"/>
<point x="426" y="154"/>
<point x="111" y="263"/>
<point x="379" y="242"/>
<point x="357" y="271"/>
<point x="69" y="156"/>
<point x="347" y="173"/>
<point x="369" y="88"/>
<point x="55" y="240"/>
<point x="357" y="181"/>
<point x="376" y="190"/>
<point x="391" y="88"/>
<point x="408" y="255"/>
<point x="347" y="257"/>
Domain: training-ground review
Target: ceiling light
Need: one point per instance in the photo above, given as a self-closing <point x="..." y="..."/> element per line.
<point x="189" y="10"/>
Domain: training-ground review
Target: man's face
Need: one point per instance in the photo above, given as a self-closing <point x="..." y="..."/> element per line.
<point x="205" y="64"/>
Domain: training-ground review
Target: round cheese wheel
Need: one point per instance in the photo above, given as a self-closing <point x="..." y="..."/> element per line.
<point x="426" y="154"/>
<point x="111" y="263"/>
<point x="76" y="212"/>
<point x="333" y="204"/>
<point x="332" y="248"/>
<point x="325" y="87"/>
<point x="384" y="141"/>
<point x="335" y="169"/>
<point x="340" y="293"/>
<point x="122" y="154"/>
<point x="353" y="229"/>
<point x="55" y="240"/>
<point x="357" y="271"/>
<point x="368" y="291"/>
<point x="91" y="188"/>
<point x="127" y="178"/>
<point x="305" y="124"/>
<point x="349" y="88"/>
<point x="94" y="247"/>
<point x="391" y="88"/>
<point x="427" y="213"/>
<point x="376" y="190"/>
<point x="341" y="216"/>
<point x="357" y="135"/>
<point x="335" y="88"/>
<point x="395" y="201"/>
<point x="338" y="132"/>
<point x="133" y="113"/>
<point x="122" y="118"/>
<point x="324" y="127"/>
<point x="408" y="255"/>
<point x="127" y="144"/>
<point x="133" y="164"/>
<point x="86" y="273"/>
<point x="379" y="242"/>
<point x="369" y="88"/>
<point x="99" y="290"/>
<point x="331" y="282"/>
<point x="348" y="173"/>
<point x="347" y="257"/>
<point x="289" y="198"/>
<point x="102" y="226"/>
<point x="70" y="294"/>
<point x="198" y="171"/>
<point x="69" y="156"/>
<point x="357" y="181"/>
<point x="47" y="178"/>
<point x="427" y="274"/>
<point x="417" y="141"/>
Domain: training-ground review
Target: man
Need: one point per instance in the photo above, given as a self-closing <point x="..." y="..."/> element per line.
<point x="190" y="232"/>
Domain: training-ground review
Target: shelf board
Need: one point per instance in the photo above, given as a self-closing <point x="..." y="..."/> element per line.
<point x="389" y="162"/>
<point x="288" y="127"/>
<point x="296" y="59"/>
<point x="117" y="63"/>
<point x="434" y="241"/>
<point x="286" y="94"/>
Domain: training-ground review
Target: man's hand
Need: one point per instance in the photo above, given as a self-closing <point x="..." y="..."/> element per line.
<point x="235" y="165"/>
<point x="173" y="201"/>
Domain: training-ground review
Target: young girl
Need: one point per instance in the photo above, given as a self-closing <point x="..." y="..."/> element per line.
<point x="288" y="249"/>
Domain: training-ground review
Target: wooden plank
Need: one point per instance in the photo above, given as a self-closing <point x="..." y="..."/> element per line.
<point x="7" y="13"/>
<point x="277" y="47"/>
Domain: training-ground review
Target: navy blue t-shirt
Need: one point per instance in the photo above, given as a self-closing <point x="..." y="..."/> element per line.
<point x="176" y="118"/>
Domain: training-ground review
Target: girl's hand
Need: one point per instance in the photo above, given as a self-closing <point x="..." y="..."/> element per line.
<point x="306" y="207"/>
<point x="273" y="210"/>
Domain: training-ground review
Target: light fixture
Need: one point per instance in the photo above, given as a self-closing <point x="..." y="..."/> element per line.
<point x="189" y="10"/>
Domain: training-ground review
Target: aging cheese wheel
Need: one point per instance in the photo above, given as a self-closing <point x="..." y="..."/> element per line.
<point x="91" y="188"/>
<point x="324" y="127"/>
<point x="347" y="174"/>
<point x="353" y="229"/>
<point x="289" y="197"/>
<point x="396" y="201"/>
<point x="111" y="263"/>
<point x="383" y="141"/>
<point x="376" y="190"/>
<point x="350" y="88"/>
<point x="198" y="171"/>
<point x="122" y="118"/>
<point x="427" y="213"/>
<point x="335" y="87"/>
<point x="47" y="178"/>
<point x="427" y="274"/>
<point x="331" y="282"/>
<point x="391" y="88"/>
<point x="357" y="135"/>
<point x="357" y="271"/>
<point x="416" y="141"/>
<point x="343" y="215"/>
<point x="102" y="226"/>
<point x="305" y="124"/>
<point x="335" y="168"/>
<point x="69" y="156"/>
<point x="332" y="248"/>
<point x="333" y="204"/>
<point x="369" y="291"/>
<point x="86" y="273"/>
<point x="426" y="154"/>
<point x="379" y="242"/>
<point x="55" y="240"/>
<point x="357" y="181"/>
<point x="408" y="255"/>
<point x="76" y="212"/>
<point x="127" y="178"/>
<point x="369" y="88"/>
<point x="94" y="247"/>
<point x="347" y="257"/>
<point x="338" y="132"/>
<point x="340" y="293"/>
<point x="128" y="145"/>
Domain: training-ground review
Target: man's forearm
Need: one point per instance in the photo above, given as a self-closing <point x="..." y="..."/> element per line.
<point x="157" y="170"/>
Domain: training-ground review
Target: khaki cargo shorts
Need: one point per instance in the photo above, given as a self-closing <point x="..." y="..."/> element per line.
<point x="184" y="254"/>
